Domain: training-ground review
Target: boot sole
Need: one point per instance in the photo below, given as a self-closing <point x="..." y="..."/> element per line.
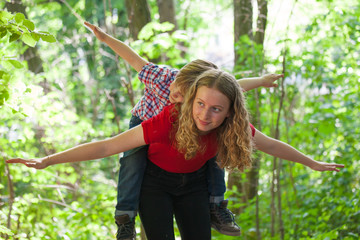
<point x="226" y="232"/>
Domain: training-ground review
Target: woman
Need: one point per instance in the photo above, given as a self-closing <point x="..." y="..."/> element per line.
<point x="212" y="120"/>
<point x="164" y="85"/>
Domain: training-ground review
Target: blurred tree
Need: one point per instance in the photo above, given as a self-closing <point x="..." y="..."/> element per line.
<point x="138" y="13"/>
<point x="248" y="55"/>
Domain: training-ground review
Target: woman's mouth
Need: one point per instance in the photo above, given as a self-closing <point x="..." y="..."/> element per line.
<point x="204" y="123"/>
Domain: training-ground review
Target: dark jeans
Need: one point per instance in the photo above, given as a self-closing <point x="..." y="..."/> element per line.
<point x="132" y="168"/>
<point x="165" y="194"/>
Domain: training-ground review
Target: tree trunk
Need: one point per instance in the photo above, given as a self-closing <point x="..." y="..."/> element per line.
<point x="242" y="26"/>
<point x="261" y="21"/>
<point x="243" y="15"/>
<point x="167" y="12"/>
<point x="138" y="16"/>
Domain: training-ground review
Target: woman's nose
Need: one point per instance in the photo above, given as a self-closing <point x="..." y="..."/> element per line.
<point x="205" y="114"/>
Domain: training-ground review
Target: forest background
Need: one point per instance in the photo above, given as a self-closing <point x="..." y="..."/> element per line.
<point x="59" y="87"/>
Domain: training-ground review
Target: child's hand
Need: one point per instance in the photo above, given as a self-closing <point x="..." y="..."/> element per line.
<point x="268" y="80"/>
<point x="323" y="166"/>
<point x="39" y="163"/>
<point x="99" y="34"/>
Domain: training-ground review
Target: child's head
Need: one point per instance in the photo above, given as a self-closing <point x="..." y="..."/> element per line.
<point x="215" y="101"/>
<point x="186" y="77"/>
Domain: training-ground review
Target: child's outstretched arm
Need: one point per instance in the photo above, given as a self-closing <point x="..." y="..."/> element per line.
<point x="123" y="50"/>
<point x="284" y="151"/>
<point x="265" y="81"/>
<point x="89" y="151"/>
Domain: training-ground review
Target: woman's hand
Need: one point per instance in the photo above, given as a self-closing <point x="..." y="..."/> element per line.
<point x="323" y="166"/>
<point x="99" y="34"/>
<point x="269" y="79"/>
<point x="39" y="163"/>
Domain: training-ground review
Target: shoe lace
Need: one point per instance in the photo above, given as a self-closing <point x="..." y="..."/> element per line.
<point x="225" y="215"/>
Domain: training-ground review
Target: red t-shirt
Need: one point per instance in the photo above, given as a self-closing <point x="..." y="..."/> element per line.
<point x="162" y="152"/>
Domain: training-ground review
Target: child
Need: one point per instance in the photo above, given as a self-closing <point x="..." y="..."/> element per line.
<point x="161" y="89"/>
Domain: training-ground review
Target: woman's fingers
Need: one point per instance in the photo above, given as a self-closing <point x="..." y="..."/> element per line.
<point x="32" y="163"/>
<point x="16" y="160"/>
<point x="89" y="25"/>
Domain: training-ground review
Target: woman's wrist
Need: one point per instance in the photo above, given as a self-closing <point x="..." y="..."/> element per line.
<point x="46" y="161"/>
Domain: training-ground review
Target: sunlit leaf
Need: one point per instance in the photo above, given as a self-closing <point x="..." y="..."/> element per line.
<point x="5" y="230"/>
<point x="35" y="36"/>
<point x="146" y="32"/>
<point x="19" y="17"/>
<point x="4" y="94"/>
<point x="165" y="26"/>
<point x="15" y="63"/>
<point x="5" y="16"/>
<point x="29" y="24"/>
<point x="47" y="37"/>
<point x="28" y="39"/>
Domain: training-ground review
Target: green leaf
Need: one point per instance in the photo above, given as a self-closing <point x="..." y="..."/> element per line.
<point x="3" y="32"/>
<point x="19" y="17"/>
<point x="35" y="36"/>
<point x="180" y="35"/>
<point x="166" y="26"/>
<point x="1" y="74"/>
<point x="5" y="16"/>
<point x="28" y="39"/>
<point x="29" y="24"/>
<point x="4" y="95"/>
<point x="14" y="37"/>
<point x="146" y="32"/>
<point x="14" y="110"/>
<point x="47" y="37"/>
<point x="5" y="230"/>
<point x="15" y="63"/>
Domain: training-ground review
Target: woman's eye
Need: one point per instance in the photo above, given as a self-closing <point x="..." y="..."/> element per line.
<point x="200" y="104"/>
<point x="216" y="109"/>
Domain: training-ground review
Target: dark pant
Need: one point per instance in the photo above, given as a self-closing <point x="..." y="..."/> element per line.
<point x="132" y="168"/>
<point x="184" y="195"/>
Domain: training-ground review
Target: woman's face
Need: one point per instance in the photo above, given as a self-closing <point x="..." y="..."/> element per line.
<point x="175" y="94"/>
<point x="210" y="108"/>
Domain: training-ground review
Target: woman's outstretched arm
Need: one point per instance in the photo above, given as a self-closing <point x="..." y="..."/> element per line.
<point x="89" y="151"/>
<point x="283" y="150"/>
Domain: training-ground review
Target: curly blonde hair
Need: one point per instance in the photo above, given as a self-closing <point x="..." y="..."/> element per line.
<point x="233" y="135"/>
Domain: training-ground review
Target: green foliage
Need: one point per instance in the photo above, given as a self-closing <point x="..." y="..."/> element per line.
<point x="157" y="42"/>
<point x="70" y="103"/>
<point x="319" y="117"/>
<point x="12" y="28"/>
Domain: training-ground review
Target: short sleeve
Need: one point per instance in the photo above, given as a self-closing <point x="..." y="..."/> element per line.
<point x="252" y="130"/>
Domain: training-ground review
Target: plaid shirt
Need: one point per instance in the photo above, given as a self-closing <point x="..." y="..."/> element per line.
<point x="157" y="80"/>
